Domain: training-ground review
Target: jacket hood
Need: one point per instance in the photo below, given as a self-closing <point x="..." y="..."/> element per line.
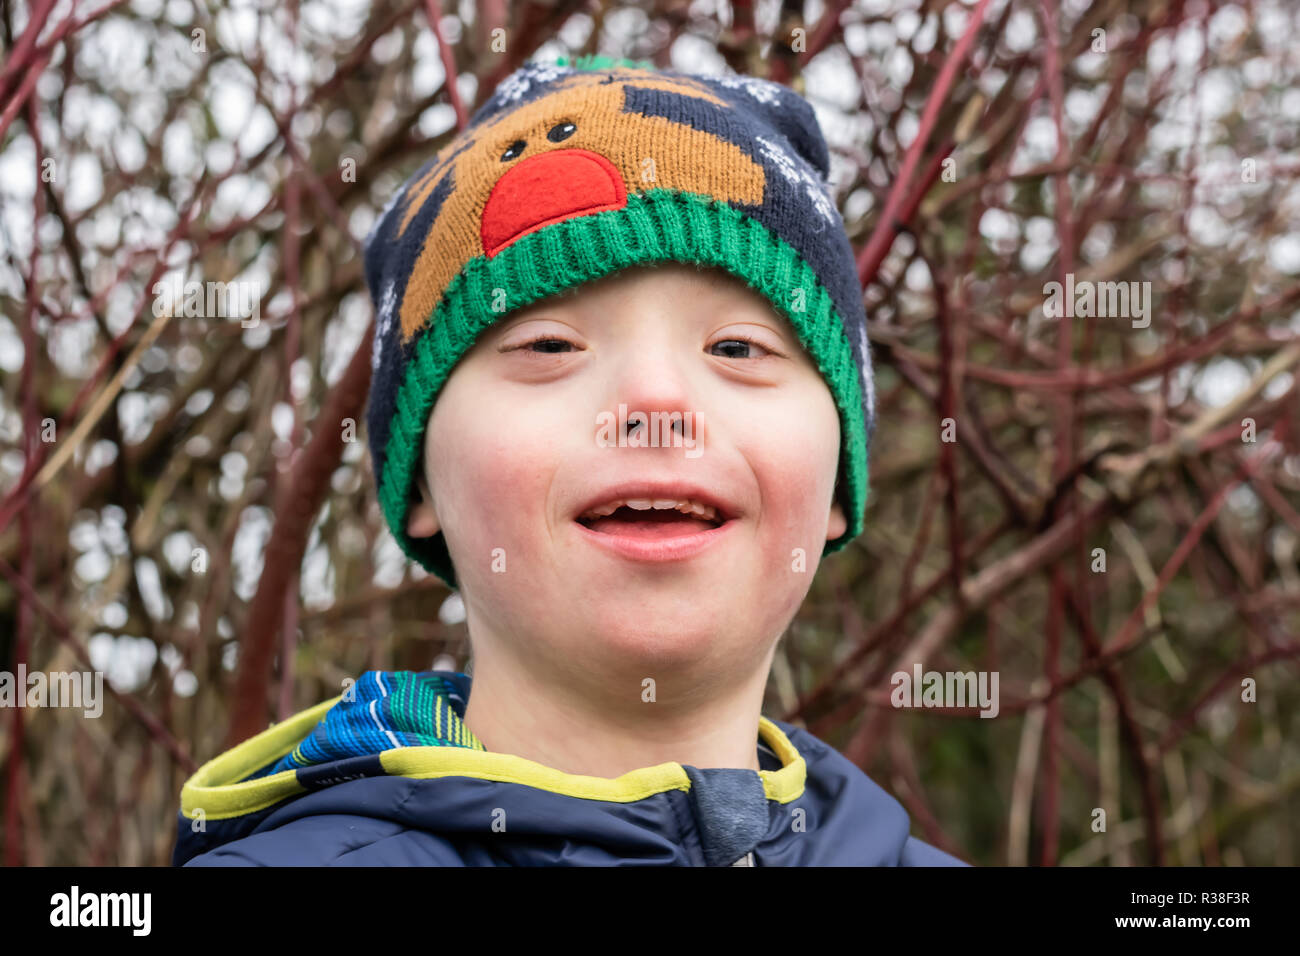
<point x="387" y="774"/>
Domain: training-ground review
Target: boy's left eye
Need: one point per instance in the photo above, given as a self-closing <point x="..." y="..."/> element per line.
<point x="738" y="345"/>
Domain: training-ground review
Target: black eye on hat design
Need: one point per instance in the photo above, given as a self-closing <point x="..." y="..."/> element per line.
<point x="561" y="131"/>
<point x="556" y="134"/>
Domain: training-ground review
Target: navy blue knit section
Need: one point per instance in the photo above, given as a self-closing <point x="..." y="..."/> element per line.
<point x="376" y="259"/>
<point x="392" y="271"/>
<point x="781" y="108"/>
<point x="531" y="81"/>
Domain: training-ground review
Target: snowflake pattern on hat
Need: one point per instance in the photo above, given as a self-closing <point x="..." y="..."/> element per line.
<point x="799" y="173"/>
<point x="527" y="79"/>
<point x="765" y="91"/>
<point x="387" y="310"/>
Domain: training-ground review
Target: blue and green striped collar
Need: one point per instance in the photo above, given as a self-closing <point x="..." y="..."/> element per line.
<point x="384" y="710"/>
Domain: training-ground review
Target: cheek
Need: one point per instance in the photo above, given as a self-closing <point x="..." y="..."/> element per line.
<point x="491" y="476"/>
<point x="794" y="452"/>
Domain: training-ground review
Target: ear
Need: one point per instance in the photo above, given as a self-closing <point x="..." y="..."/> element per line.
<point x="422" y="520"/>
<point x="837" y="523"/>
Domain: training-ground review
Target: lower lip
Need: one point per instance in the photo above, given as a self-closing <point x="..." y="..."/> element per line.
<point x="658" y="550"/>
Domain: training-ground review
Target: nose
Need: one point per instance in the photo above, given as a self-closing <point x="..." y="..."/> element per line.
<point x="652" y="392"/>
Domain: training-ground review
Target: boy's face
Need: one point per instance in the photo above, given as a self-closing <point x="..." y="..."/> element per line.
<point x="524" y="441"/>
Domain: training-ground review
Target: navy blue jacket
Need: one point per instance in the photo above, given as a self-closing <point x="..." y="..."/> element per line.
<point x="457" y="806"/>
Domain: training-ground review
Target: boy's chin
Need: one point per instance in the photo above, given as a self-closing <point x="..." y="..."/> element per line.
<point x="696" y="620"/>
<point x="651" y="643"/>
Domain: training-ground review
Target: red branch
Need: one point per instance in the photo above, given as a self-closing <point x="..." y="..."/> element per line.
<point x="887" y="227"/>
<point x="297" y="501"/>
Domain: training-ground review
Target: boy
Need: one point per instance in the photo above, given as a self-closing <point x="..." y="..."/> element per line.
<point x="637" y="310"/>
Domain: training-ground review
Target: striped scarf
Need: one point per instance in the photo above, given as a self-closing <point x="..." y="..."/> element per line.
<point x="384" y="710"/>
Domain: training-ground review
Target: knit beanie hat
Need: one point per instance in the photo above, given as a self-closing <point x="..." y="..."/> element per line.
<point x="573" y="171"/>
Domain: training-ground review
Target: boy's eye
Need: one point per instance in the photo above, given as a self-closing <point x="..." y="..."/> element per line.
<point x="738" y="348"/>
<point x="544" y="344"/>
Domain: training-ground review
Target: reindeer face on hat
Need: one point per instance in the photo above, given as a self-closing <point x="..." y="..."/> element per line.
<point x="579" y="150"/>
<point x="568" y="174"/>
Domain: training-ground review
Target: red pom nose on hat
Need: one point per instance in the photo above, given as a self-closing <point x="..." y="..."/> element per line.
<point x="548" y="188"/>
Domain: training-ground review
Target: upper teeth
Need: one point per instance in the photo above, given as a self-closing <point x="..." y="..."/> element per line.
<point x="684" y="505"/>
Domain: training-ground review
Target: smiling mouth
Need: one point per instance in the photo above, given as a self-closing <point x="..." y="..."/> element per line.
<point x="652" y="522"/>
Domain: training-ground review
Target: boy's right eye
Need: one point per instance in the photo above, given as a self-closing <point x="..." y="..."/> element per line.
<point x="543" y="344"/>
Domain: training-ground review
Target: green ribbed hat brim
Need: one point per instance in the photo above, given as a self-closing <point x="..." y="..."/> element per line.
<point x="655" y="226"/>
